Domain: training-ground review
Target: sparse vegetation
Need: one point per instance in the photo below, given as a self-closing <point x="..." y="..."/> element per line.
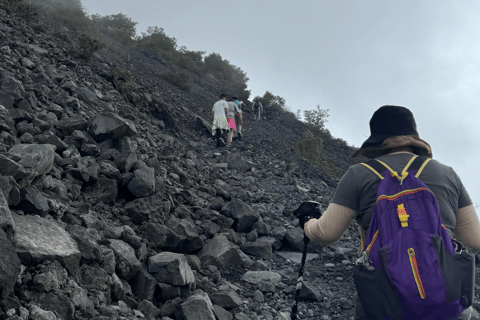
<point x="119" y="26"/>
<point x="224" y="70"/>
<point x="68" y="12"/>
<point x="122" y="80"/>
<point x="155" y="39"/>
<point x="179" y="79"/>
<point x="86" y="46"/>
<point x="25" y="10"/>
<point x="316" y="117"/>
<point x="310" y="147"/>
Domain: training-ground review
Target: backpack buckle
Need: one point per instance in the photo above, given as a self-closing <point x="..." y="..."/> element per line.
<point x="402" y="215"/>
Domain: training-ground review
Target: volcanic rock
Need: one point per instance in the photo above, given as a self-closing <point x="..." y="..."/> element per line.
<point x="39" y="157"/>
<point x="112" y="126"/>
<point x="39" y="239"/>
<point x="219" y="252"/>
<point x="242" y="214"/>
<point x="171" y="268"/>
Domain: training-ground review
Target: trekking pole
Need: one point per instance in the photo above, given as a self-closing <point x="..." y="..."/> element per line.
<point x="306" y="240"/>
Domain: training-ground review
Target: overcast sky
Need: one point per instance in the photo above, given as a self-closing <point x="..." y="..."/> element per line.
<point x="351" y="57"/>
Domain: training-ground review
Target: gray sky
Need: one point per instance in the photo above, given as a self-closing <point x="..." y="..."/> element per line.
<point x="351" y="57"/>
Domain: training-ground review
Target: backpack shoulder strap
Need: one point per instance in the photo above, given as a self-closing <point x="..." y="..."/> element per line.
<point x="419" y="164"/>
<point x="375" y="167"/>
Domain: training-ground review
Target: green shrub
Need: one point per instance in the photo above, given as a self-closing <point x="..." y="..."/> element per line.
<point x="69" y="12"/>
<point x="310" y="148"/>
<point x="224" y="70"/>
<point x="86" y="46"/>
<point x="155" y="39"/>
<point x="179" y="79"/>
<point x="25" y="10"/>
<point x="317" y="117"/>
<point x="272" y="102"/>
<point x="119" y="26"/>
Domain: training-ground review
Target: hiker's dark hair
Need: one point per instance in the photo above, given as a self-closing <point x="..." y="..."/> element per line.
<point x="223" y="96"/>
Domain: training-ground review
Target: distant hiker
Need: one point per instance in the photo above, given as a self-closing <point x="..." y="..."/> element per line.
<point x="219" y="112"/>
<point x="232" y="112"/>
<point x="409" y="209"/>
<point x="238" y="117"/>
<point x="257" y="110"/>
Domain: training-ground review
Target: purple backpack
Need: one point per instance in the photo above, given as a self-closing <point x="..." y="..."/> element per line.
<point x="411" y="269"/>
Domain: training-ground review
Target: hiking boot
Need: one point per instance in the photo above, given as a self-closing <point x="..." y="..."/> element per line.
<point x="239" y="136"/>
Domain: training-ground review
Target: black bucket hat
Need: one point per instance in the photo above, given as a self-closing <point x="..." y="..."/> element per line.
<point x="391" y="127"/>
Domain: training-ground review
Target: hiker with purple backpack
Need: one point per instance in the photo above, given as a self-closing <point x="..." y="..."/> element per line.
<point x="417" y="223"/>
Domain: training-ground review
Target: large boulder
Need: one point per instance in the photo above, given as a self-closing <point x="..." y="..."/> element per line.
<point x="171" y="268"/>
<point x="39" y="157"/>
<point x="39" y="239"/>
<point x="127" y="263"/>
<point x="143" y="182"/>
<point x="242" y="214"/>
<point x="219" y="252"/>
<point x="105" y="126"/>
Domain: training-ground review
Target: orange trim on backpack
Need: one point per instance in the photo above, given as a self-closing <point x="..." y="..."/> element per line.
<point x="398" y="195"/>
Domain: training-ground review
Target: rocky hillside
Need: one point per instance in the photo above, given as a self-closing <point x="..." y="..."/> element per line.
<point x="119" y="206"/>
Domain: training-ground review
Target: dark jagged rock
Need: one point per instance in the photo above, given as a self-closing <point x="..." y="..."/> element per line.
<point x="111" y="126"/>
<point x="258" y="249"/>
<point x="143" y="209"/>
<point x="241" y="213"/>
<point x="127" y="263"/>
<point x="226" y="298"/>
<point x="143" y="285"/>
<point x="188" y="238"/>
<point x="9" y="167"/>
<point x="105" y="190"/>
<point x="10" y="89"/>
<point x="33" y="201"/>
<point x="197" y="306"/>
<point x="59" y="304"/>
<point x="68" y="125"/>
<point x="171" y="268"/>
<point x="220" y="253"/>
<point x="143" y="182"/>
<point x="88" y="247"/>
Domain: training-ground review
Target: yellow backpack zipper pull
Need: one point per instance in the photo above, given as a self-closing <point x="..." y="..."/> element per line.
<point x="402" y="215"/>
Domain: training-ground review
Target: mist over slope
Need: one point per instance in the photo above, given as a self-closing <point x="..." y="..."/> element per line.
<point x="115" y="202"/>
